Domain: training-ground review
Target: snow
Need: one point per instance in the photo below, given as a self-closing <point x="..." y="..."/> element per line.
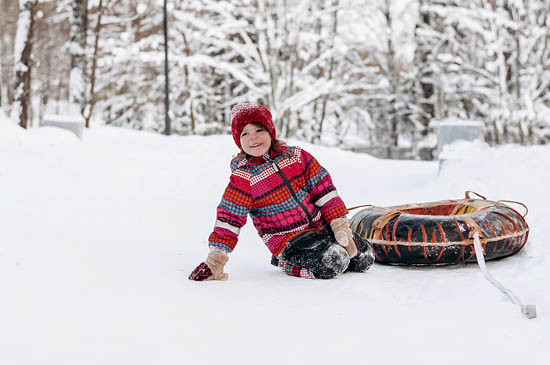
<point x="23" y="25"/>
<point x="64" y="118"/>
<point x="97" y="238"/>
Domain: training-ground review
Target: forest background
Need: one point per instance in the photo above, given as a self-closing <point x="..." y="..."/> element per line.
<point x="375" y="76"/>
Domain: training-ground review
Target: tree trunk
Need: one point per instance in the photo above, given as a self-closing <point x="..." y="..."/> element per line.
<point x="426" y="88"/>
<point x="45" y="89"/>
<point x="92" y="100"/>
<point x="79" y="27"/>
<point x="317" y="30"/>
<point x="393" y="76"/>
<point x="1" y="76"/>
<point x="330" y="69"/>
<point x="22" y="61"/>
<point x="187" y="51"/>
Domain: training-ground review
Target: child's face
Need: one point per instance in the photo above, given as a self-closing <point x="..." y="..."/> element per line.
<point x="255" y="140"/>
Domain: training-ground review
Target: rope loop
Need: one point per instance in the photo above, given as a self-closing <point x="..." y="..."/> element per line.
<point x="514" y="202"/>
<point x="467" y="195"/>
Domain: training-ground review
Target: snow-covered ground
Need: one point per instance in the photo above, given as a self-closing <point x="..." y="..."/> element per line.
<point x="97" y="238"/>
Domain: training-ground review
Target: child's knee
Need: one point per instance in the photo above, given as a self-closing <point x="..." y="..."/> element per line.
<point x="335" y="261"/>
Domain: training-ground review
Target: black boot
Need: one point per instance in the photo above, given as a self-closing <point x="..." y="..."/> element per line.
<point x="365" y="258"/>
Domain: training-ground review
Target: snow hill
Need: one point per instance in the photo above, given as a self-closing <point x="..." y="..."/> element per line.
<point x="97" y="238"/>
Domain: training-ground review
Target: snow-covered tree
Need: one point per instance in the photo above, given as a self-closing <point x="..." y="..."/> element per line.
<point x="484" y="60"/>
<point x="9" y="12"/>
<point x="337" y="72"/>
<point x="2" y="88"/>
<point x="91" y="99"/>
<point x="128" y="85"/>
<point x="77" y="47"/>
<point x="22" y="61"/>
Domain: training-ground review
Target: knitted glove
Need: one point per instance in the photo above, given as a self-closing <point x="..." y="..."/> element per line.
<point x="212" y="268"/>
<point x="343" y="235"/>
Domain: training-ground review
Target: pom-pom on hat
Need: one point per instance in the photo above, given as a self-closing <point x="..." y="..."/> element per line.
<point x="245" y="113"/>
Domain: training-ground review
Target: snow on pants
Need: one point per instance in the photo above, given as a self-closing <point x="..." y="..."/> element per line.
<point x="319" y="252"/>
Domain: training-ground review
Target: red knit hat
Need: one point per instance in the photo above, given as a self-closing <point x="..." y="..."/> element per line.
<point x="245" y="113"/>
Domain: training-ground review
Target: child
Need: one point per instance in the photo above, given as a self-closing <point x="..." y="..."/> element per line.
<point x="292" y="202"/>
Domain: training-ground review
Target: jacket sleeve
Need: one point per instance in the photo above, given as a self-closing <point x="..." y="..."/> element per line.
<point x="231" y="213"/>
<point x="319" y="185"/>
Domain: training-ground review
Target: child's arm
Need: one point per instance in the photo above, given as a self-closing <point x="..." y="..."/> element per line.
<point x="322" y="190"/>
<point x="231" y="216"/>
<point x="231" y="213"/>
<point x="324" y="195"/>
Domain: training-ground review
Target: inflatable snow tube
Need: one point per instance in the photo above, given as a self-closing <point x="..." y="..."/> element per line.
<point x="440" y="233"/>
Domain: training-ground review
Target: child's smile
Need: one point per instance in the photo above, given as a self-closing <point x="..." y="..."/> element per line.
<point x="255" y="140"/>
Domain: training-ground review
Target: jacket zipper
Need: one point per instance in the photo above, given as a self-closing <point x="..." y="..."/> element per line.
<point x="287" y="183"/>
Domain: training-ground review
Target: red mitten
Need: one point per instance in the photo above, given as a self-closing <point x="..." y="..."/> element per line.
<point x="201" y="272"/>
<point x="212" y="268"/>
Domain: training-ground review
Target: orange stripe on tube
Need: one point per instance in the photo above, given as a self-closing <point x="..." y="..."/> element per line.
<point x="393" y="239"/>
<point x="517" y="241"/>
<point x="387" y="232"/>
<point x="459" y="230"/>
<point x="524" y="240"/>
<point x="472" y="251"/>
<point x="440" y="254"/>
<point x="462" y="238"/>
<point x="443" y="239"/>
<point x="503" y="230"/>
<point x="490" y="227"/>
<point x="517" y="230"/>
<point x="493" y="232"/>
<point x="409" y="238"/>
<point x="424" y="240"/>
<point x="394" y="229"/>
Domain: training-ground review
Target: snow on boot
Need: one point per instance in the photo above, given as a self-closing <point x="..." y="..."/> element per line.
<point x="364" y="260"/>
<point x="335" y="260"/>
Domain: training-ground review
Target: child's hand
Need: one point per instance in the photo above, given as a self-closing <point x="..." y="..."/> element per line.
<point x="211" y="269"/>
<point x="343" y="235"/>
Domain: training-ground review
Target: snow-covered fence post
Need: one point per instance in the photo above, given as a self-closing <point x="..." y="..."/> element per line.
<point x="455" y="129"/>
<point x="79" y="27"/>
<point x="22" y="61"/>
<point x="73" y="123"/>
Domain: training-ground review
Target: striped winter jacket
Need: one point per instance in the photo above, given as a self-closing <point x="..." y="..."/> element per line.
<point x="285" y="194"/>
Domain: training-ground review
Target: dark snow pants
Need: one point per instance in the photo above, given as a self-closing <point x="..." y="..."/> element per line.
<point x="319" y="252"/>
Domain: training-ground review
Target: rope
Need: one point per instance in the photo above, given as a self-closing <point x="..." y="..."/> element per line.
<point x="515" y="202"/>
<point x="467" y="194"/>
<point x="360" y="206"/>
<point x="529" y="310"/>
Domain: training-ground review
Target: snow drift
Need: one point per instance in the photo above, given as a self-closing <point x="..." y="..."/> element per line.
<point x="97" y="238"/>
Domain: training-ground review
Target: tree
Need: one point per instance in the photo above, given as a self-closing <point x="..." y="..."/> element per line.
<point x="22" y="61"/>
<point x="8" y="24"/>
<point x="484" y="60"/>
<point x="91" y="100"/>
<point x="2" y="97"/>
<point x="78" y="32"/>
